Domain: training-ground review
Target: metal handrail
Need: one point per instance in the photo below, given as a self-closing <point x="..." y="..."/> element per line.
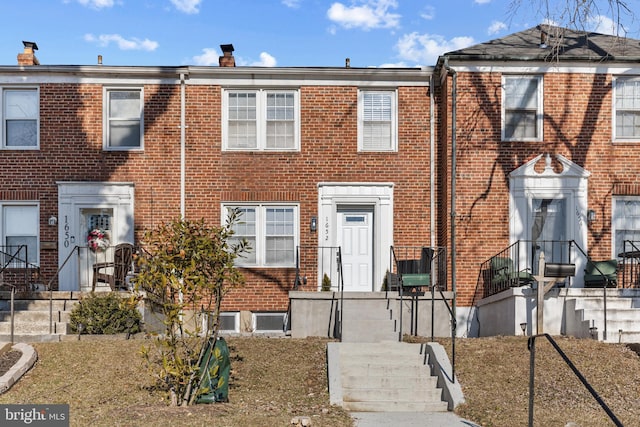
<point x="74" y="250"/>
<point x="440" y="261"/>
<point x="531" y="345"/>
<point x="320" y="264"/>
<point x="341" y="277"/>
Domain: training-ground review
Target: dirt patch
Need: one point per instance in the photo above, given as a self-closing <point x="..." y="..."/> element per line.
<point x="8" y="359"/>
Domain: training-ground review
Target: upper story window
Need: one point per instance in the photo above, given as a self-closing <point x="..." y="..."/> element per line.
<point x="20" y="118"/>
<point x="627" y="108"/>
<point x="377" y="120"/>
<point x="123" y="119"/>
<point x="261" y="120"/>
<point x="271" y="231"/>
<point x="522" y="108"/>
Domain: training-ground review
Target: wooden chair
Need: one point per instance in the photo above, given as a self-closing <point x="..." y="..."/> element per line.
<point x="114" y="273"/>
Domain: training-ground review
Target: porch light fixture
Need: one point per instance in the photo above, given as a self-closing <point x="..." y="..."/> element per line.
<point x="591" y="215"/>
<point x="53" y="220"/>
<point x="314" y="224"/>
<point x="523" y="326"/>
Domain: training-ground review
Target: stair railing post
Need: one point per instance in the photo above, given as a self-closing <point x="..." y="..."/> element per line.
<point x="13" y="293"/>
<point x="532" y="359"/>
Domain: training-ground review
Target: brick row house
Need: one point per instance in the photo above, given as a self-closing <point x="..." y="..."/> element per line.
<point x="331" y="157"/>
<point x="510" y="149"/>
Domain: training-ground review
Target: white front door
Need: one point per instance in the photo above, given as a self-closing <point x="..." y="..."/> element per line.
<point x="82" y="207"/>
<point x="355" y="238"/>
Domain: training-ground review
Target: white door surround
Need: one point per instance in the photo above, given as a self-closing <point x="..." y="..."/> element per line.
<point x="566" y="189"/>
<point x="77" y="201"/>
<point x="375" y="198"/>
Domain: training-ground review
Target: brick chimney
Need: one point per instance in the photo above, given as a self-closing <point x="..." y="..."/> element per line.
<point x="28" y="57"/>
<point x="227" y="59"/>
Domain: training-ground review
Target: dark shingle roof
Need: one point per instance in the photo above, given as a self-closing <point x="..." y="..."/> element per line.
<point x="546" y="42"/>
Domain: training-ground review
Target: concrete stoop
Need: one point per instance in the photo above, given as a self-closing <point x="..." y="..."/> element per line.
<point x="584" y="315"/>
<point x="388" y="377"/>
<point x="38" y="317"/>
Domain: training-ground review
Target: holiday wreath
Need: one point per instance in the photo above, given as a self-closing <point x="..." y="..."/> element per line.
<point x="98" y="240"/>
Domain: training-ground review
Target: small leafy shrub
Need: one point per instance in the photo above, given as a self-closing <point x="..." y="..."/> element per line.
<point x="105" y="314"/>
<point x="326" y="283"/>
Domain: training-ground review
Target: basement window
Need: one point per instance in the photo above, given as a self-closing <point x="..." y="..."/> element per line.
<point x="268" y="322"/>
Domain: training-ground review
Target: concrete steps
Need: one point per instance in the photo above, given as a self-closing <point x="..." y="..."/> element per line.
<point x="585" y="316"/>
<point x="38" y="316"/>
<point x="382" y="377"/>
<point x="369" y="321"/>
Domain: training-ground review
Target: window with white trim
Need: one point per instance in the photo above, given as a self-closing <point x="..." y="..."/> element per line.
<point x="625" y="222"/>
<point x="124" y="122"/>
<point x="20" y="118"/>
<point x="626" y="108"/>
<point x="261" y="120"/>
<point x="272" y="233"/>
<point x="522" y="108"/>
<point x="377" y="120"/>
<point x="19" y="231"/>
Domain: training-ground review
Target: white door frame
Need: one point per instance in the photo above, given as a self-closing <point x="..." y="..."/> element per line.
<point x="379" y="196"/>
<point x="570" y="183"/>
<point x="72" y="198"/>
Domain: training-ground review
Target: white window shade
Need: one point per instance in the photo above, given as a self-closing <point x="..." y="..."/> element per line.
<point x="376" y="127"/>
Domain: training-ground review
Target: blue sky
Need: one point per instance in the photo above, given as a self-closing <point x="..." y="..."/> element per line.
<point x="372" y="33"/>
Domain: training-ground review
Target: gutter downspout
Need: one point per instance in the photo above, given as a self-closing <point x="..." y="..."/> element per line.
<point x="432" y="165"/>
<point x="454" y="78"/>
<point x="182" y="148"/>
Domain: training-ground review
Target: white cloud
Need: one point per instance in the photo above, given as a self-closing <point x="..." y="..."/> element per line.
<point x="605" y="25"/>
<point x="294" y="4"/>
<point x="209" y="57"/>
<point x="425" y="48"/>
<point x="121" y="42"/>
<point x="367" y="14"/>
<point x="496" y="27"/>
<point x="482" y="1"/>
<point x="266" y="60"/>
<point x="428" y="13"/>
<point x="187" y="6"/>
<point x="97" y="4"/>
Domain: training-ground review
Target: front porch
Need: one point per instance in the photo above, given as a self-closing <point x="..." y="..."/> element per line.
<point x="610" y="315"/>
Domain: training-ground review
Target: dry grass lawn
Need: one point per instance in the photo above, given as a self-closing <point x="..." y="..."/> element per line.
<point x="106" y="384"/>
<point x="494" y="374"/>
<point x="274" y="380"/>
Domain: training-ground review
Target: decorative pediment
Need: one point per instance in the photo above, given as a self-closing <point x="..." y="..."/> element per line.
<point x="569" y="168"/>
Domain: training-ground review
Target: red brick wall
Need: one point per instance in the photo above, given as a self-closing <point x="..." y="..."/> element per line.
<point x="577" y="124"/>
<point x="329" y="152"/>
<point x="71" y="150"/>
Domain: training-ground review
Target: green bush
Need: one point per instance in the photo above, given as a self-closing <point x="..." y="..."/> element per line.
<point x="105" y="314"/>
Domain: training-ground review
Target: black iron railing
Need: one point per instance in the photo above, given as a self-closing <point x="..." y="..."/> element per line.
<point x="518" y="264"/>
<point x="319" y="268"/>
<point x="415" y="270"/>
<point x="16" y="271"/>
<point x="629" y="264"/>
<point x="532" y="360"/>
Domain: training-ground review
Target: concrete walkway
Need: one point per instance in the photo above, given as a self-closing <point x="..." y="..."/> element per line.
<point x="409" y="419"/>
